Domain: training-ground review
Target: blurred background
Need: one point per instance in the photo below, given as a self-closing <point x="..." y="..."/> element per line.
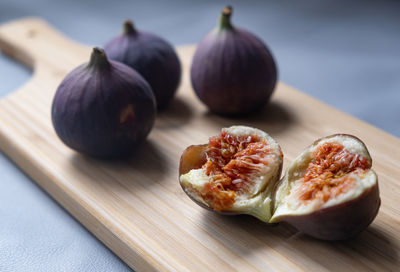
<point x="344" y="53"/>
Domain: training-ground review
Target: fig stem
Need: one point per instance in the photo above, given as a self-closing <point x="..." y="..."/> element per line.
<point x="225" y="18"/>
<point x="98" y="59"/>
<point x="129" y="28"/>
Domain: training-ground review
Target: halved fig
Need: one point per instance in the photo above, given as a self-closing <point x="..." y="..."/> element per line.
<point x="329" y="191"/>
<point x="234" y="173"/>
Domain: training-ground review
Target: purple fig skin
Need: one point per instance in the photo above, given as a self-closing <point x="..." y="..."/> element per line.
<point x="342" y="221"/>
<point x="104" y="108"/>
<point x="152" y="57"/>
<point x="233" y="71"/>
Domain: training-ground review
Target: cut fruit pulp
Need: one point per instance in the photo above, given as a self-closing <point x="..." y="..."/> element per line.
<point x="328" y="174"/>
<point x="329" y="191"/>
<point x="241" y="165"/>
<point x="334" y="170"/>
<point x="232" y="161"/>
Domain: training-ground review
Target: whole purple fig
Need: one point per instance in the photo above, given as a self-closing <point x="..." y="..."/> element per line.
<point x="233" y="72"/>
<point x="153" y="57"/>
<point x="103" y="108"/>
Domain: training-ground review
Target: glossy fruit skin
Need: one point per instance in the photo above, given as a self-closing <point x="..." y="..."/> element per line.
<point x="103" y="109"/>
<point x="233" y="71"/>
<point x="340" y="222"/>
<point x="152" y="57"/>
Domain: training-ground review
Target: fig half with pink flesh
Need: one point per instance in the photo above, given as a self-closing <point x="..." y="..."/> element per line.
<point x="329" y="191"/>
<point x="234" y="173"/>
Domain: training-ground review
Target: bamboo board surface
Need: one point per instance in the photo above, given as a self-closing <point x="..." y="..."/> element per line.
<point x="137" y="208"/>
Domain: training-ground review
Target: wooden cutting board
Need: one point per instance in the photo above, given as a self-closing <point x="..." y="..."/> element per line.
<point x="137" y="208"/>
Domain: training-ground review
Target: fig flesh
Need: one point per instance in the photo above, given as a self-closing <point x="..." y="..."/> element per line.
<point x="234" y="173"/>
<point x="233" y="71"/>
<point x="329" y="191"/>
<point x="103" y="108"/>
<point x="152" y="57"/>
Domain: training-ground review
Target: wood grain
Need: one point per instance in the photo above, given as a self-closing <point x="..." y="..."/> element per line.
<point x="137" y="208"/>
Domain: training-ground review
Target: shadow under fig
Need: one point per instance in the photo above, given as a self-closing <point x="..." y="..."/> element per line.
<point x="246" y="234"/>
<point x="240" y="231"/>
<point x="274" y="118"/>
<point x="380" y="241"/>
<point x="371" y="245"/>
<point x="146" y="165"/>
<point x="177" y="114"/>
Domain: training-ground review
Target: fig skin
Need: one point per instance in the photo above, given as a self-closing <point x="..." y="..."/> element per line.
<point x="233" y="72"/>
<point x="152" y="57"/>
<point x="342" y="221"/>
<point x="103" y="108"/>
<point x="339" y="222"/>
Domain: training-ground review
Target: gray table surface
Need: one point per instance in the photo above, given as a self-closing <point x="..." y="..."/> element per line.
<point x="345" y="53"/>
